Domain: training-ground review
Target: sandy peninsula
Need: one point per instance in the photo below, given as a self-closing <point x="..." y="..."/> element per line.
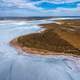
<point x="59" y="38"/>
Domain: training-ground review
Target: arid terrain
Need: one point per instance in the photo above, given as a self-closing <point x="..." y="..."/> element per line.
<point x="61" y="37"/>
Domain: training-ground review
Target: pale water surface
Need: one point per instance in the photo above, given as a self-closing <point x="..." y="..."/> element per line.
<point x="17" y="66"/>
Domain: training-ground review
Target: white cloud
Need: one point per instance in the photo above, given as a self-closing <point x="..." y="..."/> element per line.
<point x="27" y="5"/>
<point x="58" y="1"/>
<point x="62" y="1"/>
<point x="21" y="4"/>
<point x="31" y="5"/>
<point x="64" y="11"/>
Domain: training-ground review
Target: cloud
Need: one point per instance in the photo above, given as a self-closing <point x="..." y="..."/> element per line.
<point x="40" y="7"/>
<point x="51" y="5"/>
<point x="41" y="4"/>
<point x="61" y="1"/>
<point x="21" y="4"/>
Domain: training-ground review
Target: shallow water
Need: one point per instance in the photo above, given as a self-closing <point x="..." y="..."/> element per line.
<point x="17" y="66"/>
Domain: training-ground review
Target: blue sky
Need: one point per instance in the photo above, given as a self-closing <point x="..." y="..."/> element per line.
<point x="39" y="7"/>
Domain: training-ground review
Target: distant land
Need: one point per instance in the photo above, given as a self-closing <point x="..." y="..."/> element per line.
<point x="23" y="18"/>
<point x="35" y="18"/>
<point x="60" y="38"/>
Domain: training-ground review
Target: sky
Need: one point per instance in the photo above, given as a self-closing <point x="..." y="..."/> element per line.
<point x="39" y="8"/>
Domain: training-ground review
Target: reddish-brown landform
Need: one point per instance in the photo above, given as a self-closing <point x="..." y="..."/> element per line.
<point x="59" y="38"/>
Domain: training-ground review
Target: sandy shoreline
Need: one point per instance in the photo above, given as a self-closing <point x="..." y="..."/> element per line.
<point x="41" y="52"/>
<point x="26" y="49"/>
